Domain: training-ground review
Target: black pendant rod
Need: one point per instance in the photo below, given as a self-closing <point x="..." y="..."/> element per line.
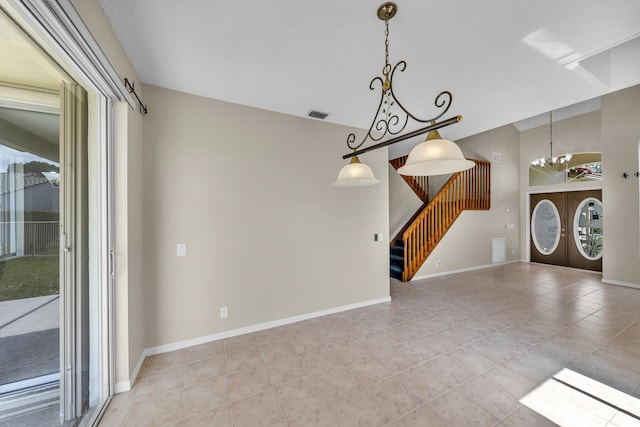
<point x="447" y="122"/>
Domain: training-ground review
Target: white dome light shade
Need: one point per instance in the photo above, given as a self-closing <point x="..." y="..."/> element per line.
<point x="435" y="156"/>
<point x="355" y="174"/>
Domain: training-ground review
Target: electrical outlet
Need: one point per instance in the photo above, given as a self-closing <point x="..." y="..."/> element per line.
<point x="438" y="262"/>
<point x="224" y="312"/>
<point x="181" y="249"/>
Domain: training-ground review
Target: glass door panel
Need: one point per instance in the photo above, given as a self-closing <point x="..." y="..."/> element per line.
<point x="29" y="250"/>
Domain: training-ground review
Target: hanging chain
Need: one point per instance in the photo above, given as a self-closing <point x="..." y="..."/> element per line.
<point x="387" y="67"/>
<point x="551" y="136"/>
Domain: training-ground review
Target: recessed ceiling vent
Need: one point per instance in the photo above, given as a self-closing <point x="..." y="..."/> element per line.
<point x="318" y="115"/>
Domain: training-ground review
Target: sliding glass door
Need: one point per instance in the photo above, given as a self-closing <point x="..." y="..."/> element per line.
<point x="29" y="254"/>
<point x="56" y="263"/>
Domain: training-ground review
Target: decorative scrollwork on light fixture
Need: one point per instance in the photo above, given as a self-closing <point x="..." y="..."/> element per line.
<point x="392" y="116"/>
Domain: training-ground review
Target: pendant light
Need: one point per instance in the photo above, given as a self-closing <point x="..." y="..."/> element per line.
<point x="435" y="156"/>
<point x="355" y="174"/>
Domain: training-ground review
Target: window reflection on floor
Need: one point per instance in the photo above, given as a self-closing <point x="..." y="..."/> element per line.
<point x="571" y="399"/>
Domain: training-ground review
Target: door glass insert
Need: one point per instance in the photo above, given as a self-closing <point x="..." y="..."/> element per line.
<point x="29" y="249"/>
<point x="545" y="227"/>
<point x="587" y="228"/>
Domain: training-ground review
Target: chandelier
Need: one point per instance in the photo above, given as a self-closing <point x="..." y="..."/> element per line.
<point x="551" y="160"/>
<point x="434" y="156"/>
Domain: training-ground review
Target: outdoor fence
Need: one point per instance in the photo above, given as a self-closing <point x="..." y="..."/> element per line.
<point x="36" y="238"/>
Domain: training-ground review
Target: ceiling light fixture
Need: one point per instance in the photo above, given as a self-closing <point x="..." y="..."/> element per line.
<point x="434" y="156"/>
<point x="551" y="160"/>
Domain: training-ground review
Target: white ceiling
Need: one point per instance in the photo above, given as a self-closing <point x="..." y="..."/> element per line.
<point x="503" y="60"/>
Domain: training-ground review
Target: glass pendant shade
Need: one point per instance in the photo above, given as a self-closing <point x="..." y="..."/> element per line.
<point x="435" y="156"/>
<point x="355" y="174"/>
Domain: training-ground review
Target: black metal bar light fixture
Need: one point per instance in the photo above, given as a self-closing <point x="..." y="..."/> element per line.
<point x="434" y="156"/>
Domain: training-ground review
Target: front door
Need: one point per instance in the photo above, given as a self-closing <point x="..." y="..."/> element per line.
<point x="566" y="229"/>
<point x="548" y="228"/>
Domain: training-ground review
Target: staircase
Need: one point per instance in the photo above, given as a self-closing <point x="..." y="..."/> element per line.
<point x="466" y="190"/>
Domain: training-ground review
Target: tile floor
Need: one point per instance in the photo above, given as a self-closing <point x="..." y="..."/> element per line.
<point x="457" y="350"/>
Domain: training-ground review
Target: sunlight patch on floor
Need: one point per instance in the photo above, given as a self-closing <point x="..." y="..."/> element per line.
<point x="570" y="399"/>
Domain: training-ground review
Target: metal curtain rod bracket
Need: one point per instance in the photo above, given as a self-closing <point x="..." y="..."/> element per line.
<point x="448" y="122"/>
<point x="131" y="89"/>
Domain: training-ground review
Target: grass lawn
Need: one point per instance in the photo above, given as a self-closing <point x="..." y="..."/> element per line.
<point x="29" y="277"/>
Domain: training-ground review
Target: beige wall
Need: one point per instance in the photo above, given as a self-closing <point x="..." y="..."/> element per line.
<point x="403" y="202"/>
<point x="129" y="284"/>
<point x="467" y="244"/>
<point x="620" y="136"/>
<point x="248" y="191"/>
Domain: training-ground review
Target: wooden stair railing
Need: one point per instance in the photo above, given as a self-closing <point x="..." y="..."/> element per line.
<point x="419" y="184"/>
<point x="466" y="190"/>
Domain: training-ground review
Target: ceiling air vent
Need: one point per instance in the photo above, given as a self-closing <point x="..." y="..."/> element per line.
<point x="318" y="115"/>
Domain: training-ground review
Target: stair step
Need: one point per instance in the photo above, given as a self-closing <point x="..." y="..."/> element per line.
<point x="397" y="250"/>
<point x="399" y="242"/>
<point x="396" y="259"/>
<point x="395" y="272"/>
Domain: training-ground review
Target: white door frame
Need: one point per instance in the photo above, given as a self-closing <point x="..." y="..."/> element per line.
<point x="59" y="29"/>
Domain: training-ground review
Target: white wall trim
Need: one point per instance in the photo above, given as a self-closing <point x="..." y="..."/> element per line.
<point x="462" y="270"/>
<point x="125" y="386"/>
<point x="621" y="283"/>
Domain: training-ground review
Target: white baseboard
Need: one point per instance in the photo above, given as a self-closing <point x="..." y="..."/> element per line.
<point x="462" y="270"/>
<point x="621" y="283"/>
<point x="125" y="386"/>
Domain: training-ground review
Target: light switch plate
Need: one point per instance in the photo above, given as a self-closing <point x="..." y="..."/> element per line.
<point x="181" y="249"/>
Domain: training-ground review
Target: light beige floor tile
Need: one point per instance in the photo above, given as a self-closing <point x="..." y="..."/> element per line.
<point x="159" y="409"/>
<point x="218" y="417"/>
<point x="298" y="397"/>
<point x="320" y="358"/>
<point x="204" y="397"/>
<point x="485" y="392"/>
<point x="421" y="380"/>
<point x="397" y="358"/>
<point x="241" y="342"/>
<point x="395" y="396"/>
<point x="206" y="371"/>
<point x="276" y="350"/>
<point x="160" y="382"/>
<point x="286" y="369"/>
<point x="248" y="382"/>
<point x="367" y="370"/>
<point x="163" y="361"/>
<point x="496" y="334"/>
<point x="525" y="417"/>
<point x="118" y="409"/>
<point x="358" y="409"/>
<point x="298" y="328"/>
<point x="623" y="420"/>
<point x="205" y="351"/>
<point x="461" y="411"/>
<point x="449" y="370"/>
<point x="322" y="416"/>
<point x="244" y="359"/>
<point x="269" y="335"/>
<point x="259" y="410"/>
<point x="422" y="417"/>
<point x="305" y="342"/>
<point x="334" y="383"/>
